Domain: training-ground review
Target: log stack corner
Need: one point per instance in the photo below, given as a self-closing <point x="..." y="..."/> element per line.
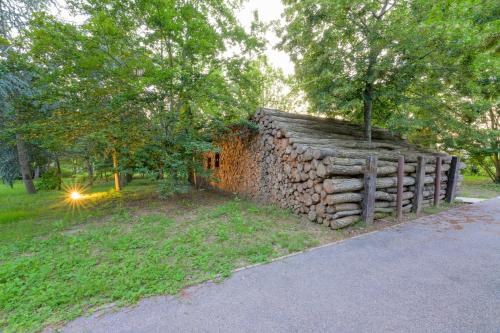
<point x="316" y="166"/>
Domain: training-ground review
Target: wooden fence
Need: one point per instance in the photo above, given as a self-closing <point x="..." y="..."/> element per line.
<point x="370" y="180"/>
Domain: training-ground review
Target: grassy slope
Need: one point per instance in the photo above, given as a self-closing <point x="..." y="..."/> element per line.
<point x="56" y="265"/>
<point x="479" y="187"/>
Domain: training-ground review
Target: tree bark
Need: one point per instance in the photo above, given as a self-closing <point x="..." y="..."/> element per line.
<point x="24" y="165"/>
<point x="115" y="171"/>
<point x="493" y="113"/>
<point x="496" y="162"/>
<point x="58" y="171"/>
<point x="37" y="173"/>
<point x="90" y="170"/>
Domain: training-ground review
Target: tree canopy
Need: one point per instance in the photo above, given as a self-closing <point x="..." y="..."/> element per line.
<point x="426" y="69"/>
<point x="144" y="86"/>
<point x="140" y="81"/>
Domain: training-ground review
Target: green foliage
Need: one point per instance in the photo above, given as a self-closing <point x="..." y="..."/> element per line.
<point x="14" y="14"/>
<point x="170" y="186"/>
<point x="50" y="180"/>
<point x="156" y="76"/>
<point x="351" y="53"/>
<point x="475" y="186"/>
<point x="9" y="167"/>
<point x="460" y="108"/>
<point x="429" y="69"/>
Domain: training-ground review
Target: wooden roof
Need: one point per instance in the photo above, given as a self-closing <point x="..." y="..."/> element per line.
<point x="336" y="137"/>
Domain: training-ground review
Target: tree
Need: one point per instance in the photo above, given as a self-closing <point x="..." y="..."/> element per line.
<point x="17" y="108"/>
<point x="99" y="97"/>
<point x="138" y="75"/>
<point x="195" y="83"/>
<point x="14" y="15"/>
<point x="353" y="58"/>
<point x="16" y="91"/>
<point x="458" y="100"/>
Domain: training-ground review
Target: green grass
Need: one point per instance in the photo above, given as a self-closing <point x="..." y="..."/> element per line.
<point x="443" y="205"/>
<point x="479" y="187"/>
<point x="56" y="264"/>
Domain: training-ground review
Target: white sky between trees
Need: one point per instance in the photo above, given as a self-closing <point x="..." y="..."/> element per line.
<point x="268" y="10"/>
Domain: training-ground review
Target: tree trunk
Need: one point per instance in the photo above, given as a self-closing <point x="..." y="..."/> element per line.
<point x="59" y="172"/>
<point x="115" y="171"/>
<point x="125" y="178"/>
<point x="24" y="165"/>
<point x="58" y="166"/>
<point x="367" y="108"/>
<point x="496" y="162"/>
<point x="496" y="156"/>
<point x="90" y="170"/>
<point x="37" y="173"/>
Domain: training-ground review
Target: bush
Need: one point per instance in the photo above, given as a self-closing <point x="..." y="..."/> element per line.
<point x="171" y="186"/>
<point x="49" y="181"/>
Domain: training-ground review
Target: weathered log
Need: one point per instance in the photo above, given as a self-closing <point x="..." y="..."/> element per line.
<point x="338" y="185"/>
<point x="320" y="210"/>
<point x="400" y="188"/>
<point x="369" y="181"/>
<point x="320" y="141"/>
<point x="344" y="213"/>
<point x="384" y="204"/>
<point x="315" y="198"/>
<point x="453" y="174"/>
<point x="308" y="155"/>
<point x="307" y="199"/>
<point x="364" y="153"/>
<point x="321" y="170"/>
<point x="344" y="221"/>
<point x="295" y="175"/>
<point x="419" y="185"/>
<point x="342" y="198"/>
<point x="327" y="124"/>
<point x="355" y="170"/>
<point x="346" y="206"/>
<point x="380" y="195"/>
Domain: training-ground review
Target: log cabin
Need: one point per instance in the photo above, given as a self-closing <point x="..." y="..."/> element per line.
<point x="317" y="168"/>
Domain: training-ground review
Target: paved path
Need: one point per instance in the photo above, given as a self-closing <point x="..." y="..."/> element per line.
<point x="436" y="274"/>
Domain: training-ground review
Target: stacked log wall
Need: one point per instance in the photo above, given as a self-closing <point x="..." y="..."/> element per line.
<point x="325" y="184"/>
<point x="240" y="159"/>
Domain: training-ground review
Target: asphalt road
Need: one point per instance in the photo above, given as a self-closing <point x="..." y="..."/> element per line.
<point x="436" y="274"/>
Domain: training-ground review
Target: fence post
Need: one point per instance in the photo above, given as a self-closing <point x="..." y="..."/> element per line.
<point x="437" y="181"/>
<point x="419" y="185"/>
<point x="453" y="173"/>
<point x="370" y="179"/>
<point x="399" y="195"/>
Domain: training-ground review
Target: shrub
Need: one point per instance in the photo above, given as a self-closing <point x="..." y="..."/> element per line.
<point x="171" y="186"/>
<point x="49" y="180"/>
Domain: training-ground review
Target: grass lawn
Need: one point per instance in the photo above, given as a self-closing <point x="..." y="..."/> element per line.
<point x="57" y="264"/>
<point x="479" y="187"/>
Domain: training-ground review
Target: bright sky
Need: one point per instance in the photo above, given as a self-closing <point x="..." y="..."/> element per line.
<point x="268" y="10"/>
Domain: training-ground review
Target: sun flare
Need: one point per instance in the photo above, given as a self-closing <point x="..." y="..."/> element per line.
<point x="75" y="195"/>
